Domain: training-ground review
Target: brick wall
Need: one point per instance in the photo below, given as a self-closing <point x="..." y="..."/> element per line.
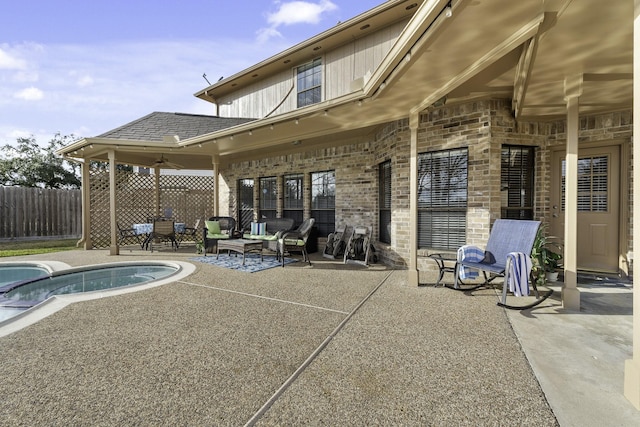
<point x="482" y="126"/>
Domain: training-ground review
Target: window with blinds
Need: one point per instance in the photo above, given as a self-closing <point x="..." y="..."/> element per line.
<point x="293" y="197"/>
<point x="309" y="83"/>
<point x="442" y="199"/>
<point x="593" y="184"/>
<point x="268" y="197"/>
<point x="323" y="201"/>
<point x="517" y="182"/>
<point x="384" y="200"/>
<point x="245" y="203"/>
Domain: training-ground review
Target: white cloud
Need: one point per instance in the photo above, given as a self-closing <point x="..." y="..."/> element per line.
<point x="128" y="80"/>
<point x="25" y="76"/>
<point x="84" y="81"/>
<point x="29" y="94"/>
<point x="294" y="12"/>
<point x="11" y="62"/>
<point x="300" y="12"/>
<point x="265" y="34"/>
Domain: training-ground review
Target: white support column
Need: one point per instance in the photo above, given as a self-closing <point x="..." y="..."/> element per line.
<point x="414" y="119"/>
<point x="570" y="292"/>
<point x="113" y="204"/>
<point x="86" y="206"/>
<point x="156" y="189"/>
<point x="215" y="160"/>
<point x="632" y="366"/>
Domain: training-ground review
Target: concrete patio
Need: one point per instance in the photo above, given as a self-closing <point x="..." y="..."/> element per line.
<point x="330" y="344"/>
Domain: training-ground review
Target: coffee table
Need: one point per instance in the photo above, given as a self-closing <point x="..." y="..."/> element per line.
<point x="241" y="246"/>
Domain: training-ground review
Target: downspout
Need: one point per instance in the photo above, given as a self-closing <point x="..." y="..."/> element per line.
<point x="86" y="206"/>
<point x="413" y="200"/>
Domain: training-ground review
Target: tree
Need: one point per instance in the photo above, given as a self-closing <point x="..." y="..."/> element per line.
<point x="27" y="164"/>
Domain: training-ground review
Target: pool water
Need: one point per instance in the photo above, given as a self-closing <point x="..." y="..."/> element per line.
<point x="22" y="295"/>
<point x="18" y="273"/>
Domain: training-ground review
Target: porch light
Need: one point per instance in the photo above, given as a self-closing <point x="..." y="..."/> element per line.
<point x="250" y="132"/>
<point x="448" y="11"/>
<point x="297" y="121"/>
<point x="271" y="126"/>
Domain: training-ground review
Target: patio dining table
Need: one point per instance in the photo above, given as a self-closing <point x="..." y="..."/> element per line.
<point x="146" y="228"/>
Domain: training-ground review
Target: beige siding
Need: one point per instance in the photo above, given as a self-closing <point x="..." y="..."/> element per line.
<point x="259" y="99"/>
<point x="341" y="66"/>
<point x="355" y="59"/>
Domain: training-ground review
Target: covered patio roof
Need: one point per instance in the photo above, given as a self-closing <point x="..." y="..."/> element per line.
<point x="531" y="52"/>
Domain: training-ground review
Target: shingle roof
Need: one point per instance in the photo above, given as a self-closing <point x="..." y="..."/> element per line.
<point x="154" y="126"/>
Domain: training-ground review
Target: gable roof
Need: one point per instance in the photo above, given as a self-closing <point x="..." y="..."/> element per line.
<point x="154" y="126"/>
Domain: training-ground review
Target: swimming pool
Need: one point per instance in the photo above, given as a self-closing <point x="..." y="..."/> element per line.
<point x="11" y="272"/>
<point x="25" y="297"/>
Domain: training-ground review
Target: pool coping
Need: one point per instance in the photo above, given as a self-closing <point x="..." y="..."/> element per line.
<point x="58" y="302"/>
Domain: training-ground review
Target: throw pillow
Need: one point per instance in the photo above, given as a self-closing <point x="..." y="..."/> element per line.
<point x="258" y="228"/>
<point x="213" y="227"/>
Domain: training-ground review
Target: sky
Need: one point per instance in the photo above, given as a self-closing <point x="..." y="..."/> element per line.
<point x="84" y="67"/>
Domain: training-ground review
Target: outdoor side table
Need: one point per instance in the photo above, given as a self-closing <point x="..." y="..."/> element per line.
<point x="241" y="246"/>
<point x="444" y="262"/>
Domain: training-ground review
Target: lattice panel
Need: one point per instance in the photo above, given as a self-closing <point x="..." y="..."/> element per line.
<point x="186" y="197"/>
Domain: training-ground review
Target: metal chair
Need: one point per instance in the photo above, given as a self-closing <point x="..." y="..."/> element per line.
<point x="163" y="231"/>
<point x="507" y="237"/>
<point x="190" y="232"/>
<point x="128" y="233"/>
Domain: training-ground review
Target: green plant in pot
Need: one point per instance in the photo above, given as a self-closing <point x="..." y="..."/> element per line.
<point x="546" y="255"/>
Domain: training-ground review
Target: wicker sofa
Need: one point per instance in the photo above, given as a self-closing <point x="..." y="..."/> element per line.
<point x="272" y="227"/>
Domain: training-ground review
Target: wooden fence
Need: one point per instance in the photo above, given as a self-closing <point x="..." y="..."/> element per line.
<point x="38" y="213"/>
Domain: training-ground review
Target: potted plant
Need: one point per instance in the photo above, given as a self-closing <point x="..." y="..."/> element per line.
<point x="546" y="255"/>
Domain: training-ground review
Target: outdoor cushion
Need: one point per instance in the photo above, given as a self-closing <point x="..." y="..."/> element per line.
<point x="260" y="237"/>
<point x="217" y="236"/>
<point x="213" y="227"/>
<point x="292" y="242"/>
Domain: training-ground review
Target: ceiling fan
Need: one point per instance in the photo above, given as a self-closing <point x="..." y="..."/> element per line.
<point x="162" y="162"/>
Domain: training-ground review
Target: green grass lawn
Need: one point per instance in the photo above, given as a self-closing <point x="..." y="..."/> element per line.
<point x="36" y="247"/>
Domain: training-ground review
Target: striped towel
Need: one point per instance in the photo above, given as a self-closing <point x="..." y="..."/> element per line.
<point x="472" y="254"/>
<point x="517" y="273"/>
